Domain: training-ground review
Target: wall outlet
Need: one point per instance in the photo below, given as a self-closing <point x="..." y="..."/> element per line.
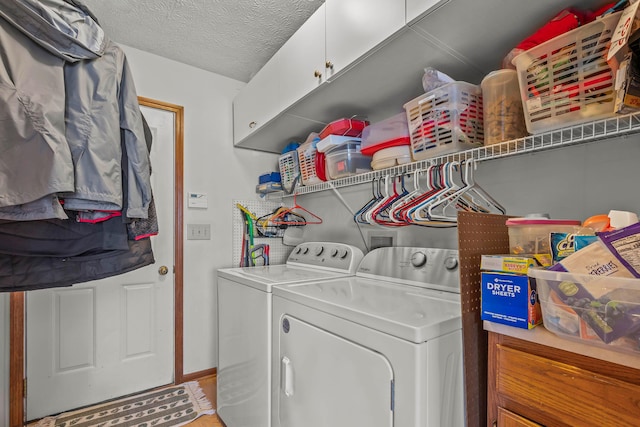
<point x="198" y="231"/>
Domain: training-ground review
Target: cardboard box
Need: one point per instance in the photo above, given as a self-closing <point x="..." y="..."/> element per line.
<point x="519" y="264"/>
<point x="510" y="299"/>
<point x="628" y="85"/>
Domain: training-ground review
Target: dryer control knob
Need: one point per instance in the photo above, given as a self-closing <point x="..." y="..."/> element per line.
<point x="319" y="250"/>
<point x="343" y="253"/>
<point x="305" y="251"/>
<point x="418" y="259"/>
<point x="298" y="249"/>
<point x="450" y="263"/>
<point x="334" y="252"/>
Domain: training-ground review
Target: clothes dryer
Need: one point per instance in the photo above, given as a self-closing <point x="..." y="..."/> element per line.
<point x="244" y="325"/>
<point x="381" y="348"/>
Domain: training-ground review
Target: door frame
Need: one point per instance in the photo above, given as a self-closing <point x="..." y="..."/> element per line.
<point x="17" y="311"/>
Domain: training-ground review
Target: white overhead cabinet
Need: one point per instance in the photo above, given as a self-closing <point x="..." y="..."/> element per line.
<point x="367" y="58"/>
<point x="259" y="101"/>
<point x="333" y="39"/>
<point x="355" y="27"/>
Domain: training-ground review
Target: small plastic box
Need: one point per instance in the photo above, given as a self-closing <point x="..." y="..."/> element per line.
<point x="346" y="160"/>
<point x="531" y="235"/>
<point x="389" y="157"/>
<point x="345" y="127"/>
<point x="599" y="310"/>
<point x="445" y="120"/>
<point x="567" y="81"/>
<point x="390" y="132"/>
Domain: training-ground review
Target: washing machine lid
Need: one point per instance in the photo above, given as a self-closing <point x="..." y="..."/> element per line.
<point x="265" y="277"/>
<point x="408" y="312"/>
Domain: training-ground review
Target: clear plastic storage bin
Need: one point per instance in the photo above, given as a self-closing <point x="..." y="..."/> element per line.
<point x="346" y="160"/>
<point x="445" y="120"/>
<point x="566" y="80"/>
<point x="391" y="132"/>
<point x="603" y="311"/>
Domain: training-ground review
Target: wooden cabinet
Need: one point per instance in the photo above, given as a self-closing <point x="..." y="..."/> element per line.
<point x="258" y="102"/>
<point x="531" y="384"/>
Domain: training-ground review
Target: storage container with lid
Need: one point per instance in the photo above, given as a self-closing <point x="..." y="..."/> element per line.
<point x="345" y="127"/>
<point x="346" y="160"/>
<point x="502" y="107"/>
<point x="530" y="235"/>
<point x="391" y="132"/>
<point x="389" y="157"/>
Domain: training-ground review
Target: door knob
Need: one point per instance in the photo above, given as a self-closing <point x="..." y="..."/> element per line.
<point x="163" y="270"/>
<point x="317" y="74"/>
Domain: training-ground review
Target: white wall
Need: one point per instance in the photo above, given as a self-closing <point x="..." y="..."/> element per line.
<point x="4" y="359"/>
<point x="212" y="166"/>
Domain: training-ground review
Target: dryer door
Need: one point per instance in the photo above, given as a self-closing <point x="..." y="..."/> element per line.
<point x="326" y="380"/>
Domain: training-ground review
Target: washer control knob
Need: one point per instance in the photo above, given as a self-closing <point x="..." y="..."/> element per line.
<point x="334" y="252"/>
<point x="305" y="251"/>
<point x="319" y="250"/>
<point x="418" y="259"/>
<point x="342" y="253"/>
<point x="450" y="263"/>
<point x="298" y="250"/>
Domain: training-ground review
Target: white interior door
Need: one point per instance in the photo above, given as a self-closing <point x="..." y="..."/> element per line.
<point x="107" y="338"/>
<point x="326" y="380"/>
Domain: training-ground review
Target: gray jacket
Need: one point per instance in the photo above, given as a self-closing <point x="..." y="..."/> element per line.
<point x="55" y="54"/>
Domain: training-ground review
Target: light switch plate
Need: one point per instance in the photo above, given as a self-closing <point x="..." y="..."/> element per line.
<point x="198" y="231"/>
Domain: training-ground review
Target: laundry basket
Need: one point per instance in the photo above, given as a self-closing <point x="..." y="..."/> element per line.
<point x="566" y="80"/>
<point x="445" y="120"/>
<point x="289" y="169"/>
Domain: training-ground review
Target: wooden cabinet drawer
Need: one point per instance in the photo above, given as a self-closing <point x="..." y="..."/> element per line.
<point x="509" y="419"/>
<point x="570" y="395"/>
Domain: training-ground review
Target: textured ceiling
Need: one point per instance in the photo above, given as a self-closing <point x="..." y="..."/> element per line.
<point x="233" y="38"/>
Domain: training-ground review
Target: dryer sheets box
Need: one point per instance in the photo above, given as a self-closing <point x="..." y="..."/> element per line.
<point x="510" y="299"/>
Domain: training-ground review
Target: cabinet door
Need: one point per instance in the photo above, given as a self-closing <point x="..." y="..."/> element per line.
<point x="258" y="102"/>
<point x="354" y="27"/>
<point x="302" y="57"/>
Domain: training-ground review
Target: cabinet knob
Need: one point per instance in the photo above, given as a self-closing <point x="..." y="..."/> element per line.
<point x="317" y="74"/>
<point x="329" y="65"/>
<point x="252" y="125"/>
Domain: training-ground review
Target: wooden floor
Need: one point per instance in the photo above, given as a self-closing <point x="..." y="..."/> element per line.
<point x="208" y="385"/>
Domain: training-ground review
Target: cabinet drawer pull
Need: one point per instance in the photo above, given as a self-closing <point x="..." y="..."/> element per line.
<point x="328" y="64"/>
<point x="252" y="125"/>
<point x="317" y="74"/>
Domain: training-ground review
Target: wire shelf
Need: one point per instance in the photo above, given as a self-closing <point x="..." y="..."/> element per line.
<point x="572" y="135"/>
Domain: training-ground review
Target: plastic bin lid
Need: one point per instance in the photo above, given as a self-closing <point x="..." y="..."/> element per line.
<point x="541" y="221"/>
<point x="396" y="142"/>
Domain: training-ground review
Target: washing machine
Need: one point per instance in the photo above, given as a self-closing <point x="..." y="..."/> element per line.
<point x="244" y="325"/>
<point x="379" y="349"/>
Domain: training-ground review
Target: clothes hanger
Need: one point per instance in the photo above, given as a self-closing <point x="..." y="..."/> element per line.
<point x="359" y="217"/>
<point x="280" y="217"/>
